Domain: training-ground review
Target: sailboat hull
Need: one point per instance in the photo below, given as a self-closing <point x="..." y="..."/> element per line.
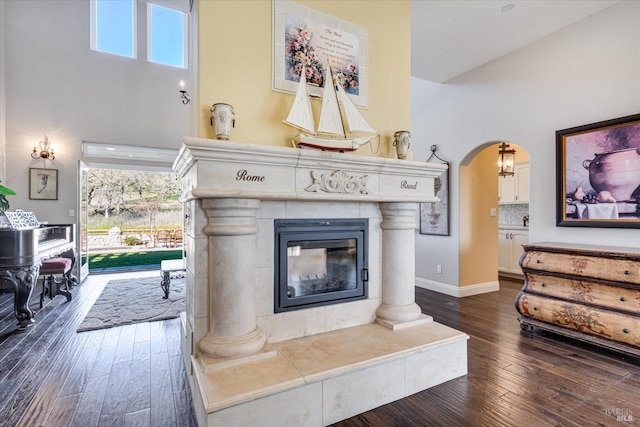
<point x="330" y="144"/>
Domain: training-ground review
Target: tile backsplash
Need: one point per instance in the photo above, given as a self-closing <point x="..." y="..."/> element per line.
<point x="511" y="214"/>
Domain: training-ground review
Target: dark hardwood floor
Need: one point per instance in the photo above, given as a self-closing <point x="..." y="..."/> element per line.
<point x="516" y="378"/>
<point x="133" y="375"/>
<point x="50" y="375"/>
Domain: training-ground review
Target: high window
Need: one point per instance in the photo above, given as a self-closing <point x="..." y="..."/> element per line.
<point x="166" y="36"/>
<point x="113" y="28"/>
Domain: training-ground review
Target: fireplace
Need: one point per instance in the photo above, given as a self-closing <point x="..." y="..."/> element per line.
<point x="250" y="365"/>
<point x="319" y="262"/>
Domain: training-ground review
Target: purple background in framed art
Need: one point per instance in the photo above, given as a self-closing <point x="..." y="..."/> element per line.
<point x="598" y="174"/>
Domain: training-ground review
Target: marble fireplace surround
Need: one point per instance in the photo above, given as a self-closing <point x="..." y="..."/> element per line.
<point x="232" y="337"/>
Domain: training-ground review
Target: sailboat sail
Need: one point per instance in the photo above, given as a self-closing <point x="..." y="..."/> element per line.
<point x="331" y="123"/>
<point x="330" y="118"/>
<point x="301" y="115"/>
<point x="355" y="120"/>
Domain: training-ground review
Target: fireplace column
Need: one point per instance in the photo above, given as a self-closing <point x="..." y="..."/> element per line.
<point x="398" y="264"/>
<point x="232" y="232"/>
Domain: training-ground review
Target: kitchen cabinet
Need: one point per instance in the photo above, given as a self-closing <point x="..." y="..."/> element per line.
<point x="586" y="292"/>
<point x="515" y="188"/>
<point x="510" y="242"/>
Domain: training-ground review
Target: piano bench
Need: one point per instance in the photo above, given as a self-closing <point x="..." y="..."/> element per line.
<point x="50" y="285"/>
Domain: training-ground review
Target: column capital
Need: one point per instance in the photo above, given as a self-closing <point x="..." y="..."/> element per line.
<point x="230" y="217"/>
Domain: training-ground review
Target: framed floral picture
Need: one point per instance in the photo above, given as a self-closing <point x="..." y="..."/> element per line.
<point x="303" y="36"/>
<point x="598" y="174"/>
<point x="43" y="184"/>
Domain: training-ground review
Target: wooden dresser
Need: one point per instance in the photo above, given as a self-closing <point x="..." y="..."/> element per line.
<point x="586" y="292"/>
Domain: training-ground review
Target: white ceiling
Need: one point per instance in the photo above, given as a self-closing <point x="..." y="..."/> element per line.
<point x="451" y="37"/>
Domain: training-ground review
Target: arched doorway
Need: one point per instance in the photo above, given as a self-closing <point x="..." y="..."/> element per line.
<point x="482" y="214"/>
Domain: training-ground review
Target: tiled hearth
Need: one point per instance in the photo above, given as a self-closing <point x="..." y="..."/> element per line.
<point x="316" y="366"/>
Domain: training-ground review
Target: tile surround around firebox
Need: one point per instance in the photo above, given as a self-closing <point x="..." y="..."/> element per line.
<point x="248" y="361"/>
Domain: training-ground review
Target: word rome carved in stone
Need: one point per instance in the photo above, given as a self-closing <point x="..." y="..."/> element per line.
<point x="338" y="182"/>
<point x="243" y="175"/>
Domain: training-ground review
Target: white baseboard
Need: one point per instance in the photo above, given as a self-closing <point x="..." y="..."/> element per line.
<point x="457" y="291"/>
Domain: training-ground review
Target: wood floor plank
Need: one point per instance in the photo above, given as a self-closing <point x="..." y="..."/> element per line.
<point x="158" y="337"/>
<point x="163" y="411"/>
<point x="63" y="411"/>
<point x="77" y="380"/>
<point x="44" y="399"/>
<point x="104" y="360"/>
<point x="140" y="382"/>
<point x="88" y="412"/>
<point x="143" y="332"/>
<point x="140" y="418"/>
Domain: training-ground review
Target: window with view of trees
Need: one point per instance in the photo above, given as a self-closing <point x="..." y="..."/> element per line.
<point x="135" y="198"/>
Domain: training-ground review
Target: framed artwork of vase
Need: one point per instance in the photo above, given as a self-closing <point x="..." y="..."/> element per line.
<point x="598" y="174"/>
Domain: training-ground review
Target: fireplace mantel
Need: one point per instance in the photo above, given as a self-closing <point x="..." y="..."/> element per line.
<point x="233" y="192"/>
<point x="221" y="169"/>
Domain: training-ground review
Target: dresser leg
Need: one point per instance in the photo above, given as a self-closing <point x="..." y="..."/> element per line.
<point x="526" y="328"/>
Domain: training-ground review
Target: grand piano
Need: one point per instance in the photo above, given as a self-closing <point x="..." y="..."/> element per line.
<point x="21" y="254"/>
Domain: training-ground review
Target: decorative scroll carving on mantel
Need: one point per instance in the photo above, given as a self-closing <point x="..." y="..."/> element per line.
<point x="338" y="182"/>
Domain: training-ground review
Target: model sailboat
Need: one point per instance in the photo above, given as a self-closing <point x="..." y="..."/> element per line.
<point x="330" y="134"/>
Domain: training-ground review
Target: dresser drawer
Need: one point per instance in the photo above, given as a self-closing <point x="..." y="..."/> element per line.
<point x="612" y="297"/>
<point x="602" y="323"/>
<point x="613" y="269"/>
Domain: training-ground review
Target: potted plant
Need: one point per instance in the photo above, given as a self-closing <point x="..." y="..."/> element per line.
<point x="4" y="192"/>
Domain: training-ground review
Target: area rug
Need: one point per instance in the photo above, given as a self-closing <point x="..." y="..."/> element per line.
<point x="128" y="301"/>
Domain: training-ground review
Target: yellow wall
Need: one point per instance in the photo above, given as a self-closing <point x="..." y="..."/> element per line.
<point x="235" y="67"/>
<point x="478" y="230"/>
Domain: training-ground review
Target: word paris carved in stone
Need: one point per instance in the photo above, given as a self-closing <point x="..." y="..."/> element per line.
<point x="338" y="182"/>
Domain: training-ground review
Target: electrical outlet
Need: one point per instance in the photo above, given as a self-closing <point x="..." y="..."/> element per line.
<point x="72" y="212"/>
<point x="439" y="269"/>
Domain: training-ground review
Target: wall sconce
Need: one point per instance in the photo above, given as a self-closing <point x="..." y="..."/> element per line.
<point x="183" y="93"/>
<point x="43" y="150"/>
<point x="506" y="159"/>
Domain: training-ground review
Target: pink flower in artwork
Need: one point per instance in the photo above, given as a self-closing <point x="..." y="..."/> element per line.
<point x="351" y="67"/>
<point x="306" y="34"/>
<point x="308" y="73"/>
<point x="353" y="84"/>
<point x="298" y="68"/>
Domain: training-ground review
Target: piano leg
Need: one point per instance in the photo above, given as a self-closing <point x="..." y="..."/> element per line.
<point x="23" y="281"/>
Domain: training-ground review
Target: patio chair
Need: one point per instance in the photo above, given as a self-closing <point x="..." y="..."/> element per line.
<point x="176" y="238"/>
<point x="164" y="238"/>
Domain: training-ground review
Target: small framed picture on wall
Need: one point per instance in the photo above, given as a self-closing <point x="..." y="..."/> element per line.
<point x="43" y="184"/>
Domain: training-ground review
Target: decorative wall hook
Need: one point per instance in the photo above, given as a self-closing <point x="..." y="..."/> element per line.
<point x="183" y="93"/>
